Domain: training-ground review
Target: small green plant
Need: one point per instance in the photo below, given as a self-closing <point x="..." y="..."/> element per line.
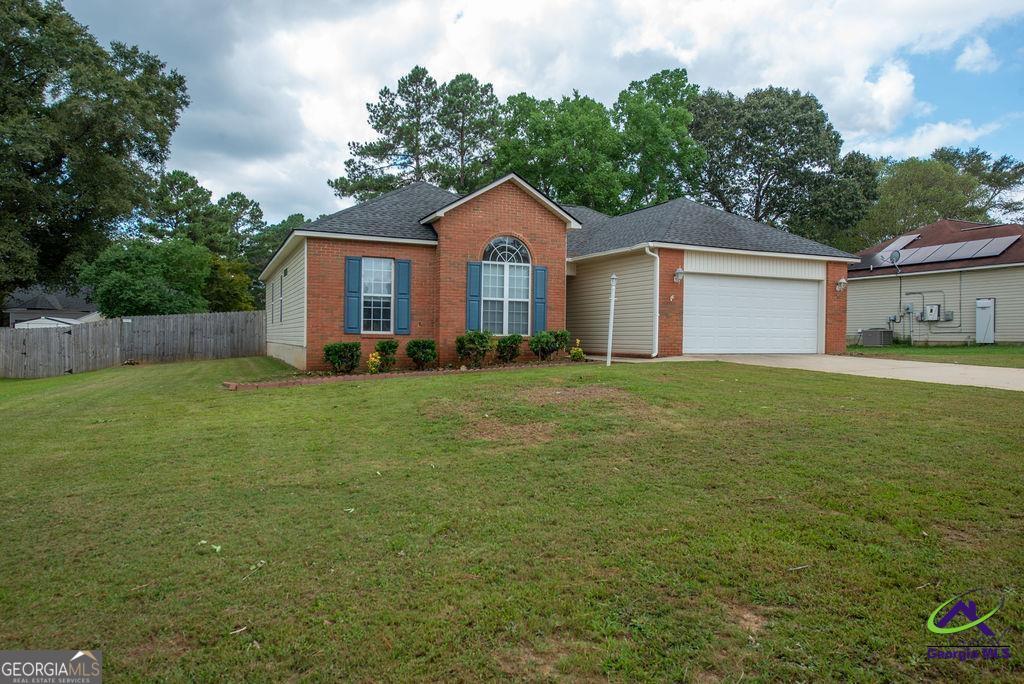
<point x="373" y="363"/>
<point x="509" y="347"/>
<point x="343" y="356"/>
<point x="422" y="352"/>
<point x="576" y="354"/>
<point x="387" y="350"/>
<point x="544" y="344"/>
<point x="472" y="347"/>
<point x="563" y="338"/>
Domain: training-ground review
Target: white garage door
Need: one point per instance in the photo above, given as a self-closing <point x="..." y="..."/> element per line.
<point x="737" y="315"/>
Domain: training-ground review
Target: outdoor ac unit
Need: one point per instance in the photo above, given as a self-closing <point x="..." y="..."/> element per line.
<point x="931" y="312"/>
<point x="876" y="337"/>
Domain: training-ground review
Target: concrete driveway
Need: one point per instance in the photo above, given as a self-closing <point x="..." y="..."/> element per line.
<point x="921" y="371"/>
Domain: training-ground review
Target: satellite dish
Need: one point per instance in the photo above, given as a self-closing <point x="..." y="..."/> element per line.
<point x="894" y="257"/>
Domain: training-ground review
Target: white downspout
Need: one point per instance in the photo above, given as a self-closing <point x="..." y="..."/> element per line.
<point x="657" y="299"/>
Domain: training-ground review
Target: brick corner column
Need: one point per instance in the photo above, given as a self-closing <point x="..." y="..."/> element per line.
<point x="670" y="303"/>
<point x="835" y="309"/>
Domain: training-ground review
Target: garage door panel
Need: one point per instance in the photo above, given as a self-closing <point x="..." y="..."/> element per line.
<point x="738" y="315"/>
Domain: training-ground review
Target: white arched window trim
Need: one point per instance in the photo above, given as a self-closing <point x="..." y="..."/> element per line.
<point x="505" y="287"/>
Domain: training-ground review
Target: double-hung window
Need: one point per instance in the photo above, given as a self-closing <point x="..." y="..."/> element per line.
<point x="378" y="289"/>
<point x="505" y="285"/>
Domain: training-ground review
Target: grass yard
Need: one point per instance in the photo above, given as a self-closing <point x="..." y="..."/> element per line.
<point x="1006" y="355"/>
<point x="672" y="521"/>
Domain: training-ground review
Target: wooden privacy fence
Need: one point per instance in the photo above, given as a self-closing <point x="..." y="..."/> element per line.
<point x="44" y="352"/>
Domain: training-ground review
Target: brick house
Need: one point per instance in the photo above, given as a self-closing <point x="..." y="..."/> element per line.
<point x="421" y="262"/>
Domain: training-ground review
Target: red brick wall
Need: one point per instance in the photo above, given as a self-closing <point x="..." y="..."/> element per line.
<point x="670" y="304"/>
<point x="835" y="309"/>
<point x="465" y="231"/>
<point x="325" y="295"/>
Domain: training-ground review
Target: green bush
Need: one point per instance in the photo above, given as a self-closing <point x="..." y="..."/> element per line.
<point x="387" y="350"/>
<point x="422" y="352"/>
<point x="563" y="338"/>
<point x="473" y="346"/>
<point x="508" y="347"/>
<point x="544" y="344"/>
<point x="343" y="356"/>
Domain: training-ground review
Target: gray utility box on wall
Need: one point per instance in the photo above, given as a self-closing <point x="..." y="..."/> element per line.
<point x="876" y="337"/>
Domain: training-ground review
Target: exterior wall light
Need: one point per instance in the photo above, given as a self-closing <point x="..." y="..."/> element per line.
<point x="841" y="285"/>
<point x="677" y="277"/>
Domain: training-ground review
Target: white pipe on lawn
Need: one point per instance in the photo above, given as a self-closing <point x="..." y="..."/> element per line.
<point x="611" y="321"/>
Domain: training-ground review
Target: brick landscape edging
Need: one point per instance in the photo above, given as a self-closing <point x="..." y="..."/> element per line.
<point x="320" y="379"/>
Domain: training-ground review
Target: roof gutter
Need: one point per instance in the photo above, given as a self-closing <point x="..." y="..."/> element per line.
<point x="657" y="298"/>
<point x="720" y="250"/>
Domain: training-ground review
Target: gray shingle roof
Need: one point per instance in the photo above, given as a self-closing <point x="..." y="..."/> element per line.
<point x="395" y="214"/>
<point x="685" y="222"/>
<point x="40" y="297"/>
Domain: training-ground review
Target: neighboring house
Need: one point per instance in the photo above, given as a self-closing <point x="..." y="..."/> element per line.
<point x="420" y="262"/>
<point x="34" y="302"/>
<point x="953" y="282"/>
<point x="57" y="322"/>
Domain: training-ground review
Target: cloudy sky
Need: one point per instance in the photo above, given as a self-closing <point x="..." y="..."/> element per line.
<point x="279" y="87"/>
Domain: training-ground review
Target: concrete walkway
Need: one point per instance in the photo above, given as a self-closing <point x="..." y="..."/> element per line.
<point x="921" y="371"/>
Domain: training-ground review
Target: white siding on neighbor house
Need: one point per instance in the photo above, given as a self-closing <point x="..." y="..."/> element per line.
<point x="290" y="328"/>
<point x="871" y="301"/>
<point x="758" y="266"/>
<point x="587" y="300"/>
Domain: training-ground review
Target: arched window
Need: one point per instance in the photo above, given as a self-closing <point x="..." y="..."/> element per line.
<point x="506" y="287"/>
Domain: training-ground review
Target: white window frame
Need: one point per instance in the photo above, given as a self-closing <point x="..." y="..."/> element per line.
<point x="362" y="297"/>
<point x="505" y="294"/>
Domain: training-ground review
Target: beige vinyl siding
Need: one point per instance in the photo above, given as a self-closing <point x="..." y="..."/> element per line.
<point x="872" y="301"/>
<point x="587" y="300"/>
<point x="291" y="329"/>
<point x="757" y="266"/>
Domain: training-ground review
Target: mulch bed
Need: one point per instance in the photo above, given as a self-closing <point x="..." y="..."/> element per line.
<point x="355" y="377"/>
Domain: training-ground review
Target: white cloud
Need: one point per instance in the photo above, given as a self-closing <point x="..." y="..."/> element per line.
<point x="977" y="58"/>
<point x="926" y="138"/>
<point x="317" y="69"/>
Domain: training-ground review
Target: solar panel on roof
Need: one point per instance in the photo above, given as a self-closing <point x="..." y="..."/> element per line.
<point x="942" y="253"/>
<point x="919" y="255"/>
<point x="906" y="254"/>
<point x="901" y="242"/>
<point x="996" y="247"/>
<point x="968" y="249"/>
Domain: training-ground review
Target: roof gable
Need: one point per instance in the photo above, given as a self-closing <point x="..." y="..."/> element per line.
<point x="533" y="192"/>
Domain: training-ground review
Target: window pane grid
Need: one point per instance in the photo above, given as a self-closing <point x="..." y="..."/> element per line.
<point x="505" y="287"/>
<point x="377" y="277"/>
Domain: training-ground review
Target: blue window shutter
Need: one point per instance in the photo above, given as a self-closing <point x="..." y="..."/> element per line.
<point x="540" y="298"/>
<point x="403" y="284"/>
<point x="473" y="274"/>
<point x="353" y="294"/>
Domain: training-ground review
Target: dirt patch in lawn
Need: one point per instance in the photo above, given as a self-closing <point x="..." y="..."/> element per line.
<point x="750" y="619"/>
<point x="573" y="395"/>
<point x="539" y="661"/>
<point x="162" y="647"/>
<point x="494" y="430"/>
<point x="958" y="535"/>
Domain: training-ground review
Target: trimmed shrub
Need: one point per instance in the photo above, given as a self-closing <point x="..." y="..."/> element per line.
<point x="473" y="346"/>
<point x="576" y="353"/>
<point x="563" y="338"/>
<point x="343" y="356"/>
<point x="387" y="349"/>
<point x="509" y="347"/>
<point x="422" y="352"/>
<point x="544" y="344"/>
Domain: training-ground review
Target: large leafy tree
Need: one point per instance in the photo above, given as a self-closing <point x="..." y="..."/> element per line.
<point x="916" y="192"/>
<point x="1001" y="179"/>
<point x="765" y="152"/>
<point x="837" y="201"/>
<point x="405" y="120"/>
<point x="466" y="125"/>
<point x="139" y="277"/>
<point x="569" y="149"/>
<point x="661" y="159"/>
<point x="84" y="130"/>
<point x="228" y="287"/>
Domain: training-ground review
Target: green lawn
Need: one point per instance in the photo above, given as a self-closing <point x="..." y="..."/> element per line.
<point x="674" y="521"/>
<point x="1008" y="355"/>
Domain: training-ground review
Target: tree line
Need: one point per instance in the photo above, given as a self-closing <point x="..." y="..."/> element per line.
<point x="85" y="198"/>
